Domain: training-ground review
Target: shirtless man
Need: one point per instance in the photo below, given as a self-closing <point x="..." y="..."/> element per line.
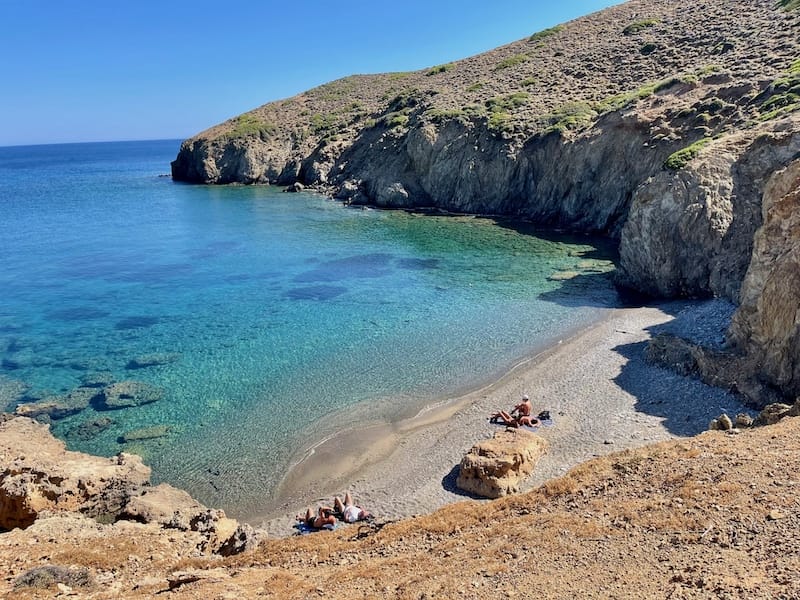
<point x="523" y="409"/>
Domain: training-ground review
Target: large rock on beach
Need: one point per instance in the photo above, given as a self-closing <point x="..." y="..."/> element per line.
<point x="129" y="393"/>
<point x="496" y="467"/>
<point x="38" y="473"/>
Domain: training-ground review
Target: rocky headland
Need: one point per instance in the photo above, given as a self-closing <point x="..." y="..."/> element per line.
<point x="670" y="127"/>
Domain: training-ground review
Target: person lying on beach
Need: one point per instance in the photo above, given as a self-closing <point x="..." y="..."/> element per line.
<point x="509" y="421"/>
<point x="324" y="516"/>
<point x="349" y="511"/>
<point x="523" y="409"/>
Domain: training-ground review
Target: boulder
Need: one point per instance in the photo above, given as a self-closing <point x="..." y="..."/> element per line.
<point x="772" y="414"/>
<point x="38" y="476"/>
<point x="146" y="433"/>
<point x="295" y="187"/>
<point x="496" y="467"/>
<point x="58" y="407"/>
<point x="153" y="359"/>
<point x="90" y="429"/>
<point x="163" y="504"/>
<point x="98" y="379"/>
<point x="129" y="393"/>
<point x="38" y="473"/>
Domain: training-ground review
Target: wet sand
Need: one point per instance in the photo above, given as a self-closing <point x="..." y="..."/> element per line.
<point x="602" y="395"/>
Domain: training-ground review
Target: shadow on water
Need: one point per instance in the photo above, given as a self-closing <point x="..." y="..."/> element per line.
<point x="587" y="290"/>
<point x="604" y="248"/>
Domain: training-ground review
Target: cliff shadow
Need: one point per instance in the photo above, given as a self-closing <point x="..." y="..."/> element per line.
<point x="685" y="404"/>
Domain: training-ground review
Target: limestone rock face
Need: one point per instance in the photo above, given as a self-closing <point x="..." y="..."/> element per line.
<point x="495" y="467"/>
<point x="767" y="324"/>
<point x="38" y="473"/>
<point x="690" y="232"/>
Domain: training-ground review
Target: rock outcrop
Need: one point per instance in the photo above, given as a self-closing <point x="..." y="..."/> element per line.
<point x="496" y="467"/>
<point x="40" y="477"/>
<point x="767" y="325"/>
<point x="38" y="474"/>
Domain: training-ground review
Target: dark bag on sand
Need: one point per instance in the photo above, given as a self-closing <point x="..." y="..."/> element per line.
<point x="544" y="415"/>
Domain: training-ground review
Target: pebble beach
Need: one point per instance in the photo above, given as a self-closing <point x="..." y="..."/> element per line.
<point x="602" y="394"/>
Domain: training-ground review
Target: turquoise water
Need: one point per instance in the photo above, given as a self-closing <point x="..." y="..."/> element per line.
<point x="280" y="315"/>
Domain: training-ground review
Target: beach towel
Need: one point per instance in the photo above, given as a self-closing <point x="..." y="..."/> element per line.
<point x="305" y="528"/>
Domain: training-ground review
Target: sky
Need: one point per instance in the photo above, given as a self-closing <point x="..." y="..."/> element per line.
<point x="91" y="70"/>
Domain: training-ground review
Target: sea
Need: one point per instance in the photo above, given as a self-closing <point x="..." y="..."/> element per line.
<point x="256" y="321"/>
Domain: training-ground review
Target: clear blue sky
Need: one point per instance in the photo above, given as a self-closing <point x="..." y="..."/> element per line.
<point x="92" y="70"/>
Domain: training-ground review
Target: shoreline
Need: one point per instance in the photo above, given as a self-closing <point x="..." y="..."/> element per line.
<point x="596" y="384"/>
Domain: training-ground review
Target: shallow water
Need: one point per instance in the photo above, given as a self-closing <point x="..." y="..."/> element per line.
<point x="273" y="314"/>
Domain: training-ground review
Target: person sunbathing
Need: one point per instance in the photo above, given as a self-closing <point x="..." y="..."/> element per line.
<point x="349" y="511"/>
<point x="523" y="409"/>
<point x="510" y="421"/>
<point x="324" y="516"/>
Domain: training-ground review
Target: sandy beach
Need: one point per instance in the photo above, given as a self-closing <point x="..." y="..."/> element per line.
<point x="602" y="395"/>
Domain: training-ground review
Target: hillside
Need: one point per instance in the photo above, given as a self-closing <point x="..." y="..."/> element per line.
<point x="669" y="126"/>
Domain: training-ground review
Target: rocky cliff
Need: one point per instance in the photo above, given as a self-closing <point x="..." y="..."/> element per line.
<point x="658" y="123"/>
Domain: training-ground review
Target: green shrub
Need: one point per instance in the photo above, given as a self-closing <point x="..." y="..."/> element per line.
<point x="529" y="82"/>
<point x="648" y="48"/>
<point x="620" y="101"/>
<point x="396" y="119"/>
<point x="545" y="33"/>
<point x="248" y="125"/>
<point x="399" y="75"/>
<point x="573" y="115"/>
<point x="438" y="115"/>
<point x="50" y="575"/>
<point x="639" y="26"/>
<point x="440" y="69"/>
<point x="404" y="100"/>
<point x="499" y="121"/>
<point x="785" y="96"/>
<point x="323" y="123"/>
<point x="475" y="86"/>
<point x="678" y="160"/>
<point x="511" y="61"/>
<point x="789" y="4"/>
<point x="507" y="103"/>
<point x="722" y="47"/>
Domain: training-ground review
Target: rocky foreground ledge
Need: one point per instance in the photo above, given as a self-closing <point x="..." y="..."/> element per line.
<point x="44" y="485"/>
<point x="713" y="516"/>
